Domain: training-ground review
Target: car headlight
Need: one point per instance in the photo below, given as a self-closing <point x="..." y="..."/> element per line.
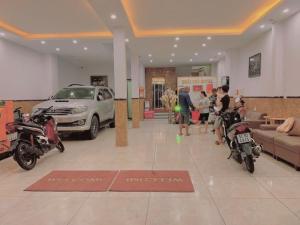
<point x="79" y="109"/>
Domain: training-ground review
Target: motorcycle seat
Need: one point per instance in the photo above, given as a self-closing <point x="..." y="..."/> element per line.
<point x="232" y="127"/>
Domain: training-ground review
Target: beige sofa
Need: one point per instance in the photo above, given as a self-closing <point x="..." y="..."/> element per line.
<point x="280" y="145"/>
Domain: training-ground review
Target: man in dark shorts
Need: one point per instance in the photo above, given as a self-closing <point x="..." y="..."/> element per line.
<point x="225" y="101"/>
<point x="185" y="104"/>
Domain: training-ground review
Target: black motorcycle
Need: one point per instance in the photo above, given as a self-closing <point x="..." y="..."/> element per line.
<point x="237" y="135"/>
<point x="34" y="138"/>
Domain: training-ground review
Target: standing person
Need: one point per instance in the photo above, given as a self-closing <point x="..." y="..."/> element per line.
<point x="225" y="101"/>
<point x="219" y="97"/>
<point x="212" y="104"/>
<point x="204" y="109"/>
<point x="185" y="104"/>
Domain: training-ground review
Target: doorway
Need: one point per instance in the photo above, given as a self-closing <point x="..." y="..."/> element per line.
<point x="158" y="88"/>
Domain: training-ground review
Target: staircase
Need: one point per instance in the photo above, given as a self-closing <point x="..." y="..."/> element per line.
<point x="161" y="115"/>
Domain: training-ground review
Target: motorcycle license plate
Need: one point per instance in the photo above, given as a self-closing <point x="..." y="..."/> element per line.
<point x="12" y="137"/>
<point x="243" y="138"/>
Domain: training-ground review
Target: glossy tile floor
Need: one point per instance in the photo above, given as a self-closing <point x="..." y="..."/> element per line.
<point x="225" y="192"/>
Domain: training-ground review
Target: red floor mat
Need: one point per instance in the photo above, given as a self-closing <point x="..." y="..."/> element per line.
<point x="152" y="181"/>
<point x="80" y="181"/>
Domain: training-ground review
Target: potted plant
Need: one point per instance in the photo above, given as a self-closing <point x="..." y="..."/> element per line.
<point x="169" y="99"/>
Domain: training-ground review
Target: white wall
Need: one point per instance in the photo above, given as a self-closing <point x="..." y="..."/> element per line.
<point x="30" y="75"/>
<point x="70" y="74"/>
<point x="23" y="74"/>
<point x="259" y="86"/>
<point x="291" y="55"/>
<point x="280" y="48"/>
<point x="100" y="70"/>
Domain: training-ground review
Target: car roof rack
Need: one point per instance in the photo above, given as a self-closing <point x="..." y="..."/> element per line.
<point x="75" y="85"/>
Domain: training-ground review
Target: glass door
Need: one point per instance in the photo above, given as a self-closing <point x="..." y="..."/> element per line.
<point x="158" y="88"/>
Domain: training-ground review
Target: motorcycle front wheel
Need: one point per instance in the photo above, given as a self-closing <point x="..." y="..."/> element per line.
<point x="249" y="163"/>
<point x="25" y="160"/>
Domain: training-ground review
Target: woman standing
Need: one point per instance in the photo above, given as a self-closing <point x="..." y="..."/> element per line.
<point x="204" y="109"/>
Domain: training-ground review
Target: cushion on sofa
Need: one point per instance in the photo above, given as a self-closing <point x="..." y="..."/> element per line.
<point x="289" y="142"/>
<point x="287" y="125"/>
<point x="295" y="131"/>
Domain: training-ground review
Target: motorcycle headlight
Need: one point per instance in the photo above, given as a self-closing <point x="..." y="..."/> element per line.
<point x="35" y="111"/>
<point x="80" y="109"/>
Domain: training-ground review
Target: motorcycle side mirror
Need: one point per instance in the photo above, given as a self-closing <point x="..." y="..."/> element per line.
<point x="99" y="98"/>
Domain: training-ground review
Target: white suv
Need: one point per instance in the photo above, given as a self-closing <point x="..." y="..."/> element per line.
<point x="79" y="108"/>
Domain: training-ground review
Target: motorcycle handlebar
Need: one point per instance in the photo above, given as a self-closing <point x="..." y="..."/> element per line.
<point x="17" y="109"/>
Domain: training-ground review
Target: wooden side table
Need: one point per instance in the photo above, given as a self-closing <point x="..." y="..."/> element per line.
<point x="267" y="119"/>
<point x="273" y="120"/>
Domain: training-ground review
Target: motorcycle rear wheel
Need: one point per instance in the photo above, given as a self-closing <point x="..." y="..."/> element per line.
<point x="249" y="163"/>
<point x="60" y="146"/>
<point x="25" y="160"/>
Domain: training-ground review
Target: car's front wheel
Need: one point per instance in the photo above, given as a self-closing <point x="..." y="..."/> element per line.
<point x="94" y="128"/>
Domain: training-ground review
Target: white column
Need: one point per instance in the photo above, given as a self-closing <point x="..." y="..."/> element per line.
<point x="142" y="77"/>
<point x="135" y="75"/>
<point x="52" y="74"/>
<point x="120" y="70"/>
<point x="120" y="80"/>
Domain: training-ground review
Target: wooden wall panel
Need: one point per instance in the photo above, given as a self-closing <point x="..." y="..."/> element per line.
<point x="275" y="106"/>
<point x="26" y="105"/>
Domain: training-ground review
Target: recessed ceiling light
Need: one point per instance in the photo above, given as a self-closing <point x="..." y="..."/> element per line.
<point x="286" y="10"/>
<point x="173" y="54"/>
<point x="177" y="38"/>
<point x="171" y="60"/>
<point x="43" y="42"/>
<point x="262" y="26"/>
<point x="150" y="55"/>
<point x="191" y="60"/>
<point x="57" y="49"/>
<point x="85" y="48"/>
<point x="2" y="34"/>
<point x="211" y="59"/>
<point x="175" y="46"/>
<point x="113" y="16"/>
<point x="127" y="40"/>
<point x="219" y="53"/>
<point x="75" y="41"/>
<point x="196" y="53"/>
<point x="151" y="61"/>
<point x="208" y="38"/>
<point x="203" y="45"/>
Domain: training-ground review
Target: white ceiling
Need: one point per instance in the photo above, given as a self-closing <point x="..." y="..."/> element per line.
<point x="54" y="16"/>
<point x="62" y="16"/>
<point x="167" y="14"/>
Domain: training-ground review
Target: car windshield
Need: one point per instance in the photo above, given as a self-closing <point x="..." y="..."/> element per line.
<point x="75" y="93"/>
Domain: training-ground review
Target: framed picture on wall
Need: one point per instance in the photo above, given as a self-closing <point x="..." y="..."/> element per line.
<point x="255" y="66"/>
<point x="99" y="80"/>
